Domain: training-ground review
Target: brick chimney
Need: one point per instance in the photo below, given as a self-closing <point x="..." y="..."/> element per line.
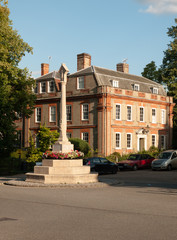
<point x="44" y="68"/>
<point x="123" y="67"/>
<point x="83" y="61"/>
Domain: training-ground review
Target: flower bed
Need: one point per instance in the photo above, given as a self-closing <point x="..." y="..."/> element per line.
<point x="58" y="155"/>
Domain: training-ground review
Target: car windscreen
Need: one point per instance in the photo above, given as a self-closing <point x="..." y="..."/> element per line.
<point x="104" y="160"/>
<point x="164" y="155"/>
<point x="134" y="157"/>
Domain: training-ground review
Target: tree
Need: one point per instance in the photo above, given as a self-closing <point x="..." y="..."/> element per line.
<point x="46" y="138"/>
<point x="169" y="64"/>
<point x="169" y="69"/>
<point x="167" y="72"/>
<point x="16" y="96"/>
<point x="152" y="72"/>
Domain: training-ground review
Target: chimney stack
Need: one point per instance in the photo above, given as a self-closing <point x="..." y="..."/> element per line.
<point x="123" y="67"/>
<point x="83" y="61"/>
<point x="44" y="68"/>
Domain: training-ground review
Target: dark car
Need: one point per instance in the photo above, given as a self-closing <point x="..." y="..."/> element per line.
<point x="136" y="161"/>
<point x="101" y="165"/>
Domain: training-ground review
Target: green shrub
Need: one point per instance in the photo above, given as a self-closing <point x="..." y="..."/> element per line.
<point x="114" y="157"/>
<point x="11" y="165"/>
<point x="19" y="153"/>
<point x="153" y="151"/>
<point x="80" y="145"/>
<point x="46" y="138"/>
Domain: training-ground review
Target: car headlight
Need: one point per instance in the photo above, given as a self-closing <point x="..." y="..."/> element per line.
<point x="164" y="164"/>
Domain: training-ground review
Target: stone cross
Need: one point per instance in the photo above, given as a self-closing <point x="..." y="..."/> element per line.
<point x="62" y="144"/>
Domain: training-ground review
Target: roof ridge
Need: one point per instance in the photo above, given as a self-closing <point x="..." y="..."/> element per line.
<point x="45" y="75"/>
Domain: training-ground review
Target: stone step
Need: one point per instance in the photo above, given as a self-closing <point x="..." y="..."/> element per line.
<point x="62" y="179"/>
<point x="62" y="170"/>
<point x="59" y="163"/>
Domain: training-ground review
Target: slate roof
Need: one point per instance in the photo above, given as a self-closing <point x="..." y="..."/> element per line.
<point x="105" y="76"/>
<point x="51" y="75"/>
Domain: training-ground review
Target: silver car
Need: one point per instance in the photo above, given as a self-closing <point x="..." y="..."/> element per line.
<point x="166" y="160"/>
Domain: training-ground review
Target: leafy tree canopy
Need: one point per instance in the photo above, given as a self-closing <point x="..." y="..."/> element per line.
<point x="152" y="72"/>
<point x="167" y="72"/>
<point x="16" y="96"/>
<point x="169" y="64"/>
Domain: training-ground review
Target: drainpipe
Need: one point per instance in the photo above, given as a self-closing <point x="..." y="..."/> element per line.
<point x="105" y="125"/>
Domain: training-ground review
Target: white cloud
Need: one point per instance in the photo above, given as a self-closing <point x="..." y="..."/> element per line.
<point x="159" y="6"/>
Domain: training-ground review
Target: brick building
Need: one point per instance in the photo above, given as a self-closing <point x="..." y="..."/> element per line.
<point x="112" y="110"/>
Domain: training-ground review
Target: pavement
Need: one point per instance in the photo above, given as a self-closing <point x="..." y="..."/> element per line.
<point x="19" y="180"/>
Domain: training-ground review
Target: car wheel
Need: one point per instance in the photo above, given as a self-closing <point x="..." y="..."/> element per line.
<point x="169" y="167"/>
<point x="135" y="167"/>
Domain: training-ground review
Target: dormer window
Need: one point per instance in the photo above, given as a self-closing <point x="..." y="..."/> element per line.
<point x="136" y="87"/>
<point x="154" y="90"/>
<point x="51" y="86"/>
<point x="43" y="87"/>
<point x="115" y="83"/>
<point x="80" y="83"/>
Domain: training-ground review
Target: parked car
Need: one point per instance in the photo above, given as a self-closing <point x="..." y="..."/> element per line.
<point x="136" y="161"/>
<point x="165" y="160"/>
<point x="101" y="165"/>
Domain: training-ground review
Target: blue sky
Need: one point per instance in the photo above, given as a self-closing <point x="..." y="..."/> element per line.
<point x="110" y="31"/>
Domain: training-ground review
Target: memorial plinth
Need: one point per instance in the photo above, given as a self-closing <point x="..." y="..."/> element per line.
<point x="67" y="171"/>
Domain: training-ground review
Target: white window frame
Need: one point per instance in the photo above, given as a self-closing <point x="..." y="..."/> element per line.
<point x="49" y="82"/>
<point x="136" y="87"/>
<point x="155" y="90"/>
<point x="52" y="117"/>
<point x="164" y="145"/>
<point x="68" y="113"/>
<point x="85" y="136"/>
<point x="130" y="147"/>
<point x="118" y="141"/>
<point x="154" y="116"/>
<point x="115" y="83"/>
<point x="37" y="110"/>
<point x="163" y="116"/>
<point x="80" y="82"/>
<point x="41" y="87"/>
<point x="142" y="114"/>
<point x="130" y="114"/>
<point x="153" y="135"/>
<point x="85" y="113"/>
<point x="118" y="111"/>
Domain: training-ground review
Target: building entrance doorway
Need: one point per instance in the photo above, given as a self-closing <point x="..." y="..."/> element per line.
<point x="141" y="144"/>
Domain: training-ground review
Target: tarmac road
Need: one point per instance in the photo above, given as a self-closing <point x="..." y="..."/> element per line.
<point x="142" y="206"/>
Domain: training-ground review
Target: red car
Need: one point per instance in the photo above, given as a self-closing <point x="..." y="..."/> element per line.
<point x="136" y="161"/>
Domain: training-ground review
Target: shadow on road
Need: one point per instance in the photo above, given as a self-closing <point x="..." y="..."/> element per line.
<point x="142" y="178"/>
